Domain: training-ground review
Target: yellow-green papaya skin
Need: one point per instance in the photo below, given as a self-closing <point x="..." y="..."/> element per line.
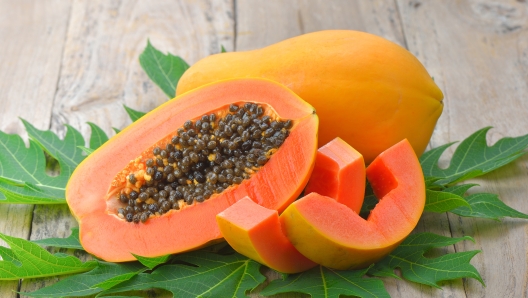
<point x="368" y="91"/>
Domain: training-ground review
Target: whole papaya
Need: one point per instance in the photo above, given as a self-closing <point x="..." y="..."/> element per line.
<point x="368" y="91"/>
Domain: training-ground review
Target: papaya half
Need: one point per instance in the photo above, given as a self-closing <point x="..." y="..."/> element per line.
<point x="333" y="235"/>
<point x="157" y="186"/>
<point x="368" y="91"/>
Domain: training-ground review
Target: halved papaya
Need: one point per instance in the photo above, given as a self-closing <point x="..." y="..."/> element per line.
<point x="339" y="173"/>
<point x="256" y="232"/>
<point x="333" y="235"/>
<point x="116" y="193"/>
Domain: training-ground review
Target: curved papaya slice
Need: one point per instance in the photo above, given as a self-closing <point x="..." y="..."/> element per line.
<point x="331" y="234"/>
<point x="256" y="232"/>
<point x="338" y="173"/>
<point x="91" y="191"/>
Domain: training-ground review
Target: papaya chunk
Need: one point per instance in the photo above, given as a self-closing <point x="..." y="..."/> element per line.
<point x="338" y="173"/>
<point x="333" y="235"/>
<point x="93" y="192"/>
<point x="256" y="232"/>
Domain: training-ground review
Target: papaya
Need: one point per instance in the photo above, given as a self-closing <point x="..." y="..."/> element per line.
<point x="339" y="173"/>
<point x="157" y="186"/>
<point x="256" y="232"/>
<point x="333" y="235"/>
<point x="368" y="91"/>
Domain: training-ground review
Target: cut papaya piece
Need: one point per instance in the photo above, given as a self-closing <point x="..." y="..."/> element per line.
<point x="339" y="173"/>
<point x="331" y="234"/>
<point x="157" y="186"/>
<point x="256" y="232"/>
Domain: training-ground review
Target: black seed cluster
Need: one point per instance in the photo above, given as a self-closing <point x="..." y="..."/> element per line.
<point x="204" y="158"/>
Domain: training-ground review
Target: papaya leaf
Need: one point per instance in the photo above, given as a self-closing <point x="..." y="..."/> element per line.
<point x="23" y="177"/>
<point x="409" y="257"/>
<point x="213" y="275"/>
<point x="164" y="70"/>
<point x="28" y="260"/>
<point x="322" y="282"/>
<point x="483" y="205"/>
<point x="98" y="136"/>
<point x="28" y="193"/>
<point x="86" y="150"/>
<point x="441" y="201"/>
<point x="65" y="151"/>
<point x="103" y="277"/>
<point x="152" y="262"/>
<point x="222" y="49"/>
<point x="473" y="157"/>
<point x="369" y="202"/>
<point x="133" y="114"/>
<point x="71" y="241"/>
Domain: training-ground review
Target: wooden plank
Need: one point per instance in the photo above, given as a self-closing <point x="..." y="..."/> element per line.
<point x="477" y="53"/>
<point x="32" y="34"/>
<point x="261" y="23"/>
<point x="101" y="72"/>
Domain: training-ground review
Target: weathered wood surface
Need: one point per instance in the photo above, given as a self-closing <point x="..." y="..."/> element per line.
<point x="77" y="61"/>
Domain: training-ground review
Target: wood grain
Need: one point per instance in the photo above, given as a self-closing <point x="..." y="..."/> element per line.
<point x="261" y="23"/>
<point x="477" y="53"/>
<point x="32" y="34"/>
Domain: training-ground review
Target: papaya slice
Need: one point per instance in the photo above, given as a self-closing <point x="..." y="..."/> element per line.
<point x="331" y="234"/>
<point x="98" y="184"/>
<point x="339" y="173"/>
<point x="256" y="232"/>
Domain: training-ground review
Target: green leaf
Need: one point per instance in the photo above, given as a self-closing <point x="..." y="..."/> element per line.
<point x="34" y="261"/>
<point x="98" y="136"/>
<point x="322" y="282"/>
<point x="473" y="157"/>
<point x="86" y="150"/>
<point x="222" y="49"/>
<point x="369" y="202"/>
<point x="133" y="114"/>
<point x="487" y="205"/>
<point x="214" y="276"/>
<point x="23" y="177"/>
<point x="71" y="241"/>
<point x="152" y="262"/>
<point x="164" y="70"/>
<point x="8" y="256"/>
<point x="65" y="151"/>
<point x="31" y="194"/>
<point x="103" y="277"/>
<point x="441" y="201"/>
<point x="409" y="257"/>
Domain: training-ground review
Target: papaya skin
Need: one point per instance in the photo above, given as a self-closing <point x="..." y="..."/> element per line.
<point x="105" y="235"/>
<point x="333" y="235"/>
<point x="368" y="91"/>
<point x="256" y="232"/>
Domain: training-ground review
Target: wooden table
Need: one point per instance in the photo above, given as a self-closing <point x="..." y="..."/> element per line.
<point x="70" y="62"/>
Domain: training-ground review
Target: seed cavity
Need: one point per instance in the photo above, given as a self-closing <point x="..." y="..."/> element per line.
<point x="203" y="158"/>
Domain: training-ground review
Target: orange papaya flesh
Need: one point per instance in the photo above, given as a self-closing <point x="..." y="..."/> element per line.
<point x="367" y="90"/>
<point x="90" y="192"/>
<point x="256" y="232"/>
<point x="339" y="173"/>
<point x="331" y="234"/>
